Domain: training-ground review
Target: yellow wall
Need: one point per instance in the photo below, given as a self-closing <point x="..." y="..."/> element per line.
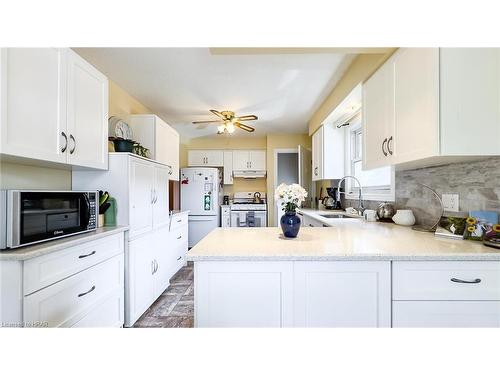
<point x="360" y="70"/>
<point x="15" y="176"/>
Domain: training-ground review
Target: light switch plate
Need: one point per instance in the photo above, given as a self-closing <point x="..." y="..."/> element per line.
<point x="450" y="202"/>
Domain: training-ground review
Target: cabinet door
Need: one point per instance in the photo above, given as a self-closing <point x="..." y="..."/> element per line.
<point x="470" y="96"/>
<point x="140" y="270"/>
<point x="164" y="254"/>
<point x="196" y="158"/>
<point x="243" y="294"/>
<point x="378" y="117"/>
<point x="87" y="114"/>
<point x="342" y="294"/>
<point x="33" y="103"/>
<point x="142" y="175"/>
<point x="228" y="167"/>
<point x="257" y="160"/>
<point x="214" y="158"/>
<point x="241" y="160"/>
<point x="172" y="152"/>
<point x="416" y="104"/>
<point x="160" y="197"/>
<point x="317" y="154"/>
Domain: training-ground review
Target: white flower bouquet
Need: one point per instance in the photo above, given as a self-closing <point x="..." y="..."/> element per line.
<point x="291" y="196"/>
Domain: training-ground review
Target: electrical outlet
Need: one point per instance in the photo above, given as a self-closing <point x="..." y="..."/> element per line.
<point x="450" y="202"/>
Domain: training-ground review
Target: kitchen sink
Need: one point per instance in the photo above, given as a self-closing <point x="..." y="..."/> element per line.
<point x="334" y="216"/>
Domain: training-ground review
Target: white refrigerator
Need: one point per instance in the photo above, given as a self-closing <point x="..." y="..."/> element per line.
<point x="201" y="194"/>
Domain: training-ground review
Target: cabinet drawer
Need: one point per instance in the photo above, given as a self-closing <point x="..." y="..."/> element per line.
<point x="446" y="314"/>
<point x="106" y="313"/>
<point x="179" y="220"/>
<point x="446" y="280"/>
<point x="179" y="236"/>
<point x="48" y="269"/>
<point x="67" y="302"/>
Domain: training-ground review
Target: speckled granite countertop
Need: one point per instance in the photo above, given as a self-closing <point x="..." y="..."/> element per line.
<point x="28" y="252"/>
<point x="346" y="239"/>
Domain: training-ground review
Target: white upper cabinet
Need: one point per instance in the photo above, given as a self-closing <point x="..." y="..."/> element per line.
<point x="33" y="103"/>
<point x="429" y="106"/>
<point x="54" y="107"/>
<point x="228" y="167"/>
<point x="205" y="158"/>
<point x="416" y="104"/>
<point x="378" y="99"/>
<point x="161" y="139"/>
<point x="87" y="114"/>
<point x="249" y="160"/>
<point x="328" y="153"/>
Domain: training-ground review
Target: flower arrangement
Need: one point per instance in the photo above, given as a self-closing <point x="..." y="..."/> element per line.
<point x="291" y="196"/>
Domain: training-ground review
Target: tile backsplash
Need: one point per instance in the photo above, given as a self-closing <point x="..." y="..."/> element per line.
<point x="477" y="183"/>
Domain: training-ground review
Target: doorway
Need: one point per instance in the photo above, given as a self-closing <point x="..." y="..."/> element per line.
<point x="292" y="166"/>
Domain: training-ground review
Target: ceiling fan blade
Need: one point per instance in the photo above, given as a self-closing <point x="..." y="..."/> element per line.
<point x="218" y="114"/>
<point x="247" y="118"/>
<point x="243" y="126"/>
<point x="206" y="122"/>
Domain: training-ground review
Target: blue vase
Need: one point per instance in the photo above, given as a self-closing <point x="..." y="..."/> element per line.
<point x="290" y="224"/>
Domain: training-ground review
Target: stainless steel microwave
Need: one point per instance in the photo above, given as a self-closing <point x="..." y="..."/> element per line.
<point x="33" y="216"/>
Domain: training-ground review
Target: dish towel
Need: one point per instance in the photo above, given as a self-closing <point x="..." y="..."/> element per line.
<point x="250" y="219"/>
<point x="242" y="219"/>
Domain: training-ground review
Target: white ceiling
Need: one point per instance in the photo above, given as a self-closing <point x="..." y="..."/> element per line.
<point x="182" y="84"/>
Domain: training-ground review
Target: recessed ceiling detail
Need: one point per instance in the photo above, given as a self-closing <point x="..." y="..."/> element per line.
<point x="180" y="84"/>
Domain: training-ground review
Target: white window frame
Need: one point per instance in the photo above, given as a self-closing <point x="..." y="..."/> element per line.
<point x="383" y="193"/>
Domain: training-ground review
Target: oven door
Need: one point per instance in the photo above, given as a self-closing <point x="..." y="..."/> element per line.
<point x="240" y="219"/>
<point x="40" y="216"/>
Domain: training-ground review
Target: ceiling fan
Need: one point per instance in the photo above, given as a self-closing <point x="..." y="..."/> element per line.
<point x="228" y="121"/>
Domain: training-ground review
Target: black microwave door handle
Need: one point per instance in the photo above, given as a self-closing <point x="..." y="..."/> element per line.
<point x="86" y="216"/>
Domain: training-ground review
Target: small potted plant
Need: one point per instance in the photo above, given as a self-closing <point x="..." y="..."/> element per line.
<point x="291" y="197"/>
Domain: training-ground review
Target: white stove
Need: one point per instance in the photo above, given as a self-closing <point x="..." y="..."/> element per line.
<point x="245" y="213"/>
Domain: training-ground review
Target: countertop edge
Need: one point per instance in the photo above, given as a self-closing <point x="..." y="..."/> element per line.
<point x="34" y="251"/>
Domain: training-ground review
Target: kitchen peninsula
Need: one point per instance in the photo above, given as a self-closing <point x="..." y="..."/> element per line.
<point x="351" y="274"/>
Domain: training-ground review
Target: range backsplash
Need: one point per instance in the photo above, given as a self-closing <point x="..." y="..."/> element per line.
<point x="477" y="183"/>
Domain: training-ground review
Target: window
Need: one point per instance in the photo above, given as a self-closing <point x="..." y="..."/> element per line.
<point x="377" y="184"/>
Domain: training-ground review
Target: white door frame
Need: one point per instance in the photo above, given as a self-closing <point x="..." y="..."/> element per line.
<point x="277" y="151"/>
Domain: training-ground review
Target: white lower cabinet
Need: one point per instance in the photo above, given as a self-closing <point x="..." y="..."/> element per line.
<point x="342" y="294"/>
<point x="243" y="294"/>
<point x="80" y="286"/>
<point x="446" y="294"/>
<point x="152" y="260"/>
<point x="71" y="300"/>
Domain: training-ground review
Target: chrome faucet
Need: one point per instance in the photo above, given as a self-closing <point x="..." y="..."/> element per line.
<point x="361" y="209"/>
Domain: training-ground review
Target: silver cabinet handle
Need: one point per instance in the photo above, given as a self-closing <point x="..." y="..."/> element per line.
<point x="179" y="258"/>
<point x="179" y="237"/>
<point x="179" y="221"/>
<point x="475" y="281"/>
<point x="315" y="171"/>
<point x="89" y="291"/>
<point x="86" y="255"/>
<point x="383" y="147"/>
<point x="389" y="145"/>
<point x="155" y="199"/>
<point x="156" y="266"/>
<point x="152" y="267"/>
<point x="65" y="141"/>
<point x="74" y="144"/>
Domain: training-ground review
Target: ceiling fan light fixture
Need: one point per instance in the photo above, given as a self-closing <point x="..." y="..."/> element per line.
<point x="230" y="127"/>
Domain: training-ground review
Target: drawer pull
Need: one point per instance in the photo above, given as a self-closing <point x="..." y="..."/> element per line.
<point x="475" y="281"/>
<point x="86" y="255"/>
<point x="179" y="258"/>
<point x="90" y="291"/>
<point x="179" y="221"/>
<point x="179" y="237"/>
